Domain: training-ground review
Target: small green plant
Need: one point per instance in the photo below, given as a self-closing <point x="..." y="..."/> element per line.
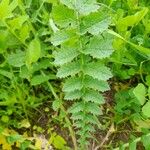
<point x="82" y="46"/>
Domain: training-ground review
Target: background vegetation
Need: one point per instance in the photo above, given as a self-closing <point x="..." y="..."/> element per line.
<point x="74" y="74"/>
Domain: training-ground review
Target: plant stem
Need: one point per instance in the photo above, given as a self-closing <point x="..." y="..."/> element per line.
<point x="141" y="71"/>
<point x="110" y="131"/>
<point x="72" y="134"/>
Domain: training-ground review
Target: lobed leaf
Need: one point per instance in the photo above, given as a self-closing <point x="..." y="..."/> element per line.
<point x="93" y="109"/>
<point x="78" y="116"/>
<point x="73" y="95"/>
<point x="84" y="7"/>
<point x="77" y="107"/>
<point x="69" y="69"/>
<point x="63" y="16"/>
<point x="96" y="84"/>
<point x="93" y="96"/>
<point x="72" y="84"/>
<point x="95" y="23"/>
<point x="65" y="55"/>
<point x="99" y="47"/>
<point x="86" y="129"/>
<point x="89" y="118"/>
<point x="63" y="36"/>
<point x="97" y="71"/>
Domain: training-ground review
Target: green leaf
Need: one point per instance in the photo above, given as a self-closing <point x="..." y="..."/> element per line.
<point x="146" y="109"/>
<point x="25" y="145"/>
<point x="63" y="36"/>
<point x="59" y="142"/>
<point x="68" y="3"/>
<point x="99" y="47"/>
<point x="141" y="14"/>
<point x="141" y="49"/>
<point x="24" y="124"/>
<point x="84" y="7"/>
<point x="5" y="119"/>
<point x="6" y="8"/>
<point x="122" y="147"/>
<point x="73" y="95"/>
<point x="148" y="80"/>
<point x="3" y="40"/>
<point x="54" y="2"/>
<point x="140" y="92"/>
<point x="146" y="141"/>
<point x="39" y="79"/>
<point x="149" y="92"/>
<point x="24" y="32"/>
<point x="95" y="23"/>
<point x="72" y="84"/>
<point x="89" y="118"/>
<point x="123" y="23"/>
<point x="77" y="107"/>
<point x="24" y="72"/>
<point x="6" y="73"/>
<point x="33" y="52"/>
<point x="132" y="146"/>
<point x="93" y="108"/>
<point x="17" y="22"/>
<point x="93" y="96"/>
<point x="86" y="128"/>
<point x="42" y="64"/>
<point x="65" y="55"/>
<point x="133" y="4"/>
<point x="53" y="26"/>
<point x="56" y="104"/>
<point x="96" y="84"/>
<point x="69" y="69"/>
<point x="14" y="138"/>
<point x="17" y="59"/>
<point x="97" y="71"/>
<point x="78" y="116"/>
<point x="63" y="16"/>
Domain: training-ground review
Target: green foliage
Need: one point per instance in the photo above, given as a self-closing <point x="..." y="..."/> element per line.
<point x="24" y="57"/>
<point x="84" y="7"/>
<point x="81" y="44"/>
<point x="33" y="52"/>
<point x="140" y="93"/>
<point x="133" y="144"/>
<point x="75" y="53"/>
<point x="95" y="23"/>
<point x="99" y="47"/>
